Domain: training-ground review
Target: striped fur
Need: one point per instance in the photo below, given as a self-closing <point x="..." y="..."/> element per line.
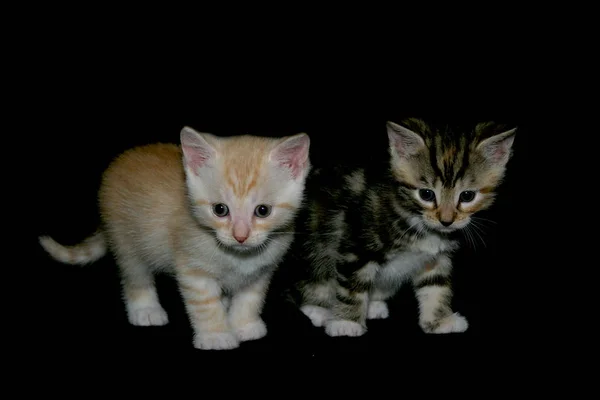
<point x="366" y="231"/>
<point x="162" y="209"/>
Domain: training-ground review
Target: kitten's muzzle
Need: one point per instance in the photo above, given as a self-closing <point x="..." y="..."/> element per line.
<point x="241" y="231"/>
<point x="240" y="238"/>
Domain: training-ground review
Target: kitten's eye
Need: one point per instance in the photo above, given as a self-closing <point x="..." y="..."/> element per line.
<point x="262" y="211"/>
<point x="427" y="194"/>
<point x="467" y="196"/>
<point x="220" y="210"/>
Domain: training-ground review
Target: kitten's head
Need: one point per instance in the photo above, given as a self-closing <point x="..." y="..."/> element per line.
<point x="445" y="178"/>
<point x="244" y="187"/>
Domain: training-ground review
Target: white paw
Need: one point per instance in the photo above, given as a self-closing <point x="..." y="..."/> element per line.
<point x="318" y="315"/>
<point x="450" y="324"/>
<point x="378" y="310"/>
<point x="147" y="316"/>
<point x="343" y="328"/>
<point x="251" y="331"/>
<point x="216" y="341"/>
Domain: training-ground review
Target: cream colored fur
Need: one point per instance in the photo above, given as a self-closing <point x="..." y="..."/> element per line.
<point x="156" y="204"/>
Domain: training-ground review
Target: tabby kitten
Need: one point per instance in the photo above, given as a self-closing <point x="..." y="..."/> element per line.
<point x="368" y="232"/>
<point x="216" y="212"/>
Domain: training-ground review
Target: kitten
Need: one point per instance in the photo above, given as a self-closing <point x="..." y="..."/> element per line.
<point x="216" y="212"/>
<point x="367" y="232"/>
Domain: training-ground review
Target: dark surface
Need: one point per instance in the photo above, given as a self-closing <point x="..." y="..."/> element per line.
<point x="79" y="132"/>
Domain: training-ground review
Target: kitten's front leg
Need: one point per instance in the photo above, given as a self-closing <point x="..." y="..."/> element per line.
<point x="352" y="301"/>
<point x="378" y="308"/>
<point x="245" y="310"/>
<point x="206" y="310"/>
<point x="434" y="293"/>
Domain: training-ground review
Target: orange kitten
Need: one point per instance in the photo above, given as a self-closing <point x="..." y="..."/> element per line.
<point x="216" y="212"/>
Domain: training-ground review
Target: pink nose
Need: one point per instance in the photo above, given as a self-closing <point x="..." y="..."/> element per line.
<point x="240" y="239"/>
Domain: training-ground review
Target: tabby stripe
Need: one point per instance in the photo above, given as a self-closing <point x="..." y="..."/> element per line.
<point x="433" y="280"/>
<point x="406" y="185"/>
<point x="348" y="299"/>
<point x="354" y="285"/>
<point x="448" y="170"/>
<point x="433" y="159"/>
<point x="465" y="163"/>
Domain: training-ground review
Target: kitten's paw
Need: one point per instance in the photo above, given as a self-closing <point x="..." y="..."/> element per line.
<point x="452" y="323"/>
<point x="216" y="341"/>
<point x="344" y="328"/>
<point x="147" y="316"/>
<point x="251" y="331"/>
<point x="317" y="315"/>
<point x="378" y="310"/>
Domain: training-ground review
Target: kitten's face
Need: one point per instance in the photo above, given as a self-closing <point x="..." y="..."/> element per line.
<point x="446" y="179"/>
<point x="245" y="188"/>
<point x="448" y="207"/>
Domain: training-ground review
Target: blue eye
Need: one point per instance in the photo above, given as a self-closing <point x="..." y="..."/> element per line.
<point x="427" y="194"/>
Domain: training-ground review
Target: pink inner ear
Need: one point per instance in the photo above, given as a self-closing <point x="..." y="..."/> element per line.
<point x="401" y="145"/>
<point x="195" y="157"/>
<point x="405" y="142"/>
<point x="293" y="156"/>
<point x="497" y="148"/>
<point x="498" y="151"/>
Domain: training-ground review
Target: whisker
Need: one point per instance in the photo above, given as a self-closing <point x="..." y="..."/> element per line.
<point x="483" y="219"/>
<point x="477" y="222"/>
<point x="470" y="239"/>
<point x="217" y="247"/>
<point x="272" y="242"/>
<point x="421" y="231"/>
<point x="268" y="251"/>
<point x="473" y="239"/>
<point x="414" y="224"/>
<point x="306" y="233"/>
<point x="478" y="235"/>
<point x="478" y="227"/>
<point x="204" y="242"/>
<point x="467" y="236"/>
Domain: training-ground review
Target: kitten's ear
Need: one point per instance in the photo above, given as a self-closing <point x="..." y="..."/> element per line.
<point x="196" y="150"/>
<point x="497" y="148"/>
<point x="404" y="141"/>
<point x="292" y="153"/>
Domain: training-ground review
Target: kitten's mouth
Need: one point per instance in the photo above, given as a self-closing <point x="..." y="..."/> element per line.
<point x="243" y="248"/>
<point x="440" y="229"/>
<point x="235" y="247"/>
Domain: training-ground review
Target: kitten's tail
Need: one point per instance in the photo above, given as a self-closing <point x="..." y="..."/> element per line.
<point x="91" y="249"/>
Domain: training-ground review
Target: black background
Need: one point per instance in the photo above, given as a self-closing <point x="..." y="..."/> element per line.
<point x="83" y="108"/>
<point x="82" y="134"/>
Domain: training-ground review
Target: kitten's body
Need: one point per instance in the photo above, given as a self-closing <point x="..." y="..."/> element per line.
<point x="157" y="204"/>
<point x="365" y="232"/>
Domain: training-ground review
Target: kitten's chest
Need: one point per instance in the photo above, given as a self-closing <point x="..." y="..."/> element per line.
<point x="430" y="245"/>
<point x="236" y="270"/>
<point x="403" y="261"/>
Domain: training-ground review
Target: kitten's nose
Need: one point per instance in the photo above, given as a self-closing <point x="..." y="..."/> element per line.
<point x="446" y="223"/>
<point x="240" y="239"/>
<point x="241" y="231"/>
